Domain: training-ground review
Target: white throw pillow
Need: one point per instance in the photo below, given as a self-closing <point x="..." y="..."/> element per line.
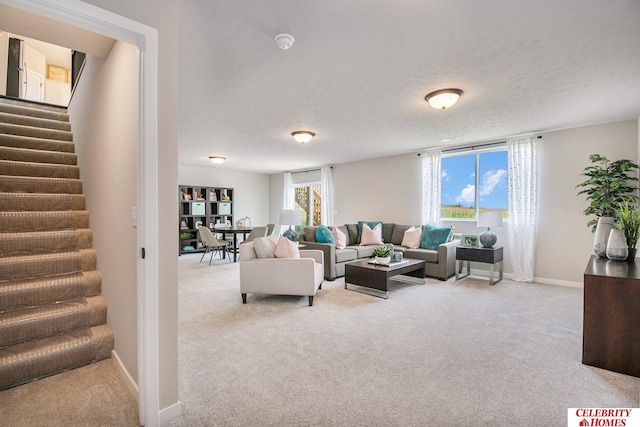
<point x="265" y="247"/>
<point x="339" y="237"/>
<point x="371" y="237"/>
<point x="285" y="248"/>
<point x="411" y="238"/>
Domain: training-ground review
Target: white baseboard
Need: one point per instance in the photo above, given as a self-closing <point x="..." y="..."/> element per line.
<point x="131" y="384"/>
<point x="170" y="413"/>
<point x="541" y="280"/>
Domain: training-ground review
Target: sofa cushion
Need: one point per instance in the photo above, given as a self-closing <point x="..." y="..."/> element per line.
<point x="412" y="237"/>
<point x="324" y="235"/>
<point x="285" y="248"/>
<point x="352" y="235"/>
<point x="427" y="255"/>
<point x="309" y="233"/>
<point x="433" y="236"/>
<point x="398" y="233"/>
<point x="344" y="255"/>
<point x="265" y="247"/>
<point x="339" y="237"/>
<point x="371" y="236"/>
<point x="365" y="251"/>
<point x="387" y="231"/>
<point x="371" y="225"/>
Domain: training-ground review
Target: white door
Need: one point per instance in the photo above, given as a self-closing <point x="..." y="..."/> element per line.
<point x="33" y="86"/>
<point x="34" y="64"/>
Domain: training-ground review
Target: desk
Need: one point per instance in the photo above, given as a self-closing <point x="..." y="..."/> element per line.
<point x="226" y="229"/>
<point x="491" y="256"/>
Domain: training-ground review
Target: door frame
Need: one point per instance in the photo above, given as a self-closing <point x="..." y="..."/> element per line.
<point x="93" y="18"/>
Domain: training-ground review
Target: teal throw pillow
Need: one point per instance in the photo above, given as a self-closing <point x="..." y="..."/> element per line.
<point x="324" y="235"/>
<point x="433" y="236"/>
<point x="371" y="225"/>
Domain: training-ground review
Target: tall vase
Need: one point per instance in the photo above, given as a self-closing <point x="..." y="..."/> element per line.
<point x="604" y="227"/>
<point x="617" y="249"/>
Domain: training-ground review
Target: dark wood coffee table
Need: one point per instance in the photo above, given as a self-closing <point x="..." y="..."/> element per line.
<point x="377" y="277"/>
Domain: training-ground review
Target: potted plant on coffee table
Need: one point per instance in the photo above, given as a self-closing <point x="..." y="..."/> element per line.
<point x="382" y="254"/>
<point x="628" y="219"/>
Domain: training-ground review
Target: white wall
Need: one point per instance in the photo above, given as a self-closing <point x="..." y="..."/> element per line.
<point x="106" y="133"/>
<point x="564" y="242"/>
<point x="250" y="190"/>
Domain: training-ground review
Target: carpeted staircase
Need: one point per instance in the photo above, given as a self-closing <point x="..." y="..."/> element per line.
<point x="52" y="316"/>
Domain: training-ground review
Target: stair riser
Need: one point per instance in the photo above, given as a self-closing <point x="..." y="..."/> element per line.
<point x="19" y="130"/>
<point x="37" y="122"/>
<point x="13" y="168"/>
<point x="34" y="360"/>
<point x="21" y="222"/>
<point x="28" y="267"/>
<point x="30" y="143"/>
<point x="37" y="156"/>
<point x="15" y="244"/>
<point x="34" y="110"/>
<point x="19" y="184"/>
<point x="41" y="202"/>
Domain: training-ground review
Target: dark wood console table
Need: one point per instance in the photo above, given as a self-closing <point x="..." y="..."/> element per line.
<point x="611" y="328"/>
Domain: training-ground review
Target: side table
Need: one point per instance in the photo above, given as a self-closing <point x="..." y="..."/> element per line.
<point x="490" y="256"/>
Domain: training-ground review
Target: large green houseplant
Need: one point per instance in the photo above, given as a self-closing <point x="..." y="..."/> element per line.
<point x="608" y="185"/>
<point x="628" y="219"/>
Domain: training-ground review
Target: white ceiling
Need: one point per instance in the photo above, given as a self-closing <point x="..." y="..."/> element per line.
<point x="359" y="70"/>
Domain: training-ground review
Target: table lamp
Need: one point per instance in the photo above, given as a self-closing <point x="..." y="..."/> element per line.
<point x="489" y="219"/>
<point x="290" y="217"/>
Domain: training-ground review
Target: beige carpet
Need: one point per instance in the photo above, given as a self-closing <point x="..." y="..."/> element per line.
<point x="440" y="354"/>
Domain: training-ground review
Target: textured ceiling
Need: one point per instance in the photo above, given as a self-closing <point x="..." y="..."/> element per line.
<point x="359" y="69"/>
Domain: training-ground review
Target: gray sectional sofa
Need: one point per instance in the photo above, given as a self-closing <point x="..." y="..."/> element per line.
<point x="439" y="263"/>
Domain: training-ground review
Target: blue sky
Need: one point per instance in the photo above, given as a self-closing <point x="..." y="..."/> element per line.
<point x="458" y="180"/>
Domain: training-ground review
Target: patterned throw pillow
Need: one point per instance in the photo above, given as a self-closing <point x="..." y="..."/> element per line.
<point x="285" y="248"/>
<point x="324" y="235"/>
<point x="433" y="236"/>
<point x="371" y="225"/>
<point x="371" y="237"/>
<point x="339" y="237"/>
<point x="412" y="237"/>
<point x="265" y="247"/>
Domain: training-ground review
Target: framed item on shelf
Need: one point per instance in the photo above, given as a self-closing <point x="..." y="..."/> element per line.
<point x="212" y="196"/>
<point x="470" y="240"/>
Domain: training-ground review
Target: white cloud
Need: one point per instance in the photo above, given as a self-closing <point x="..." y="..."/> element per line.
<point x="467" y="195"/>
<point x="490" y="179"/>
<point x="445" y="175"/>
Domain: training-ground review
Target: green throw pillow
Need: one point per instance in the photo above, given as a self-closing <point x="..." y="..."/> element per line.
<point x="371" y="224"/>
<point x="433" y="236"/>
<point x="324" y="235"/>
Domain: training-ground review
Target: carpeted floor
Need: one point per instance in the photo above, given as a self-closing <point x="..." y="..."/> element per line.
<point x="439" y="354"/>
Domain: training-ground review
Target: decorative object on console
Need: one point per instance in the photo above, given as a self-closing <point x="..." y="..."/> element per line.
<point x="603" y="229"/>
<point x="290" y="217"/>
<point x="383" y="254"/>
<point x="443" y="98"/>
<point x="470" y="240"/>
<point x="303" y="136"/>
<point x="489" y="219"/>
<point x="617" y="249"/>
<point x="628" y="215"/>
<point x="243" y="222"/>
<point x="433" y="236"/>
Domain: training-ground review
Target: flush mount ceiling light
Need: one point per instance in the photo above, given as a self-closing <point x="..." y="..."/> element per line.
<point x="302" y="136"/>
<point x="443" y="98"/>
<point x="285" y="41"/>
<point x="217" y="160"/>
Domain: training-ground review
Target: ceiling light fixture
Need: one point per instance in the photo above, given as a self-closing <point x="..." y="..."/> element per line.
<point x="303" y="136"/>
<point x="443" y="98"/>
<point x="285" y="41"/>
<point x="217" y="160"/>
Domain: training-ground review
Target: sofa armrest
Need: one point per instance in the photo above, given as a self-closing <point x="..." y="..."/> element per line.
<point x="447" y="259"/>
<point x="316" y="254"/>
<point x="329" y="253"/>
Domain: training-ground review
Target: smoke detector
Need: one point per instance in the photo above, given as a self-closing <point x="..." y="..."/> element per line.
<point x="285" y="41"/>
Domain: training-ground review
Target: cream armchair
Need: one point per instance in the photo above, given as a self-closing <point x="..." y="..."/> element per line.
<point x="280" y="276"/>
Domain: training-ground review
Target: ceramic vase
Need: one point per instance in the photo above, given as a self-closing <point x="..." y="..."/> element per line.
<point x="617" y="249"/>
<point x="383" y="260"/>
<point x="604" y="227"/>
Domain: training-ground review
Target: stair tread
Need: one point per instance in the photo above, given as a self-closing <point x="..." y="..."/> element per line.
<point x="35" y="132"/>
<point x="33" y="143"/>
<point x="38" y="169"/>
<point x="34" y="121"/>
<point x="37" y="156"/>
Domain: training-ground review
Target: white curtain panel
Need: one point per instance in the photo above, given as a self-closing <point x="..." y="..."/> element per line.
<point x="523" y="206"/>
<point x="431" y="185"/>
<point x="287" y="198"/>
<point x="326" y="214"/>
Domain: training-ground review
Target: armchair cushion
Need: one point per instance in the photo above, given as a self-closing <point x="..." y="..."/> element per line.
<point x="285" y="248"/>
<point x="265" y="247"/>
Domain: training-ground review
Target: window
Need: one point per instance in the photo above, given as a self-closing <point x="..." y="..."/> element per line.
<point x="474" y="182"/>
<point x="308" y="201"/>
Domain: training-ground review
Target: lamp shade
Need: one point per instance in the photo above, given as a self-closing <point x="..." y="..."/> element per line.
<point x="303" y="136"/>
<point x="490" y="219"/>
<point x="444" y="98"/>
<point x="290" y="217"/>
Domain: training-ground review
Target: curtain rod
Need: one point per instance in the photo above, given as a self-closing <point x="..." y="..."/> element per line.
<point x="473" y="147"/>
<point x="309" y="170"/>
